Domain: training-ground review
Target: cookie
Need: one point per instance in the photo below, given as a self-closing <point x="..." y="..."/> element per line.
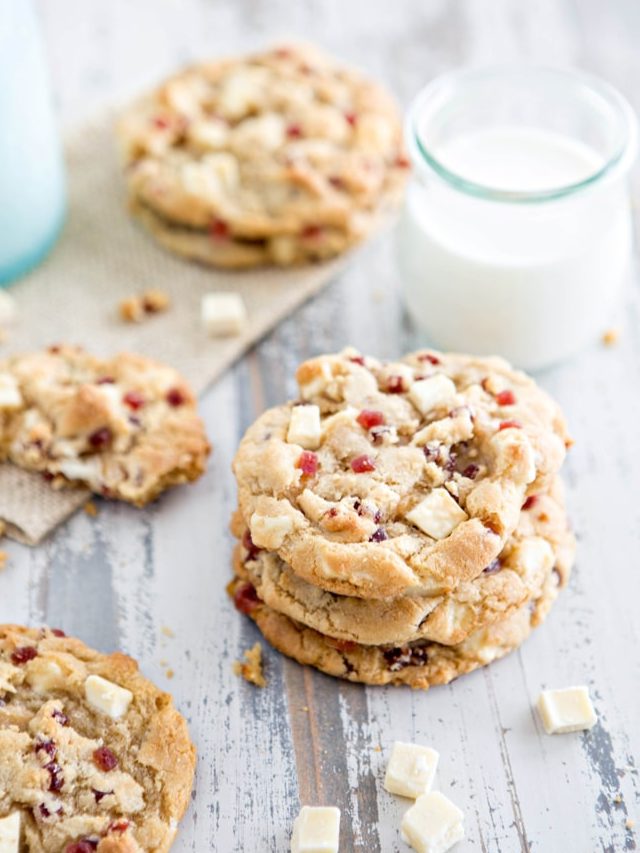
<point x="125" y="427"/>
<point x="541" y="543"/>
<point x="421" y="664"/>
<point x="388" y="479"/>
<point x="92" y="755"/>
<point x="281" y="157"/>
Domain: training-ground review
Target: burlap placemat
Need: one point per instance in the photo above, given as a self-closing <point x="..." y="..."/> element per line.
<point x="101" y="258"/>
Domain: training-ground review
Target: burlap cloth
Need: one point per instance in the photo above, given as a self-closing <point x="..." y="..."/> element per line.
<point x="102" y="257"/>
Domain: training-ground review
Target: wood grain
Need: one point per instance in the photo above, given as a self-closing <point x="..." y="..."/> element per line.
<point x="118" y="579"/>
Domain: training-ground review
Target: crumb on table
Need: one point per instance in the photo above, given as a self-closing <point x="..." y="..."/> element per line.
<point x="629" y="823"/>
<point x="167" y="631"/>
<point x="91" y="509"/>
<point x="4" y="556"/>
<point x="251" y="668"/>
<point x="133" y="309"/>
<point x="610" y="337"/>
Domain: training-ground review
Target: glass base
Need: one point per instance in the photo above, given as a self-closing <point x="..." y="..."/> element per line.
<point x="26" y="263"/>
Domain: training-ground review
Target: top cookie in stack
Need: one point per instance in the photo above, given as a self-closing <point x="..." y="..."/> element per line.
<point x="281" y="157"/>
<point x="401" y="485"/>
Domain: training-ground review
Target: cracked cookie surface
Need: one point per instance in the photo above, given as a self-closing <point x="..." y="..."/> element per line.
<point x="125" y="427"/>
<point x="280" y="157"/>
<point x="541" y="543"/>
<point x="400" y="477"/>
<point x="115" y="778"/>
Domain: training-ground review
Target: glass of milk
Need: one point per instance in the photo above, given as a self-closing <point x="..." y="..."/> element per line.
<point x="32" y="192"/>
<point x="516" y="235"/>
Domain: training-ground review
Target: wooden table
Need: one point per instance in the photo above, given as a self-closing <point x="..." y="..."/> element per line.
<point x="152" y="582"/>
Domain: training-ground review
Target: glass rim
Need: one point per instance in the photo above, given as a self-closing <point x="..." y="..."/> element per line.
<point x="442" y="86"/>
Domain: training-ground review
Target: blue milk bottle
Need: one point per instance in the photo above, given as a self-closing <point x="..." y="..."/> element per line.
<point x="32" y="187"/>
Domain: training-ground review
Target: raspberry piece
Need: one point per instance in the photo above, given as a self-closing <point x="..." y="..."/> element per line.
<point x="104" y="759"/>
<point x="432" y="359"/>
<point x="506" y="398"/>
<point x="351" y="118"/>
<point x="471" y="471"/>
<point x="175" y="397"/>
<point x="249" y="546"/>
<point x="219" y="230"/>
<point x="134" y="400"/>
<point x="57" y="632"/>
<point x="403" y="656"/>
<point x="362" y="464"/>
<point x="85" y="845"/>
<point x="379" y="535"/>
<point x="311" y="232"/>
<point x="370" y="418"/>
<point x="531" y="501"/>
<point x="246" y="598"/>
<point x="395" y="385"/>
<point x="510" y="425"/>
<point x="308" y="463"/>
<point x="101" y="438"/>
<point x="23" y="654"/>
<point x="294" y="131"/>
<point x="61" y="718"/>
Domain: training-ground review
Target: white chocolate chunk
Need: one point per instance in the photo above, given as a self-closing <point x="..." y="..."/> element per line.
<point x="437" y="515"/>
<point x="8" y="310"/>
<point x="436" y="392"/>
<point x="10" y="397"/>
<point x="10" y="833"/>
<point x="78" y="469"/>
<point x="223" y="314"/>
<point x="304" y="427"/>
<point x="44" y="675"/>
<point x="316" y="830"/>
<point x="411" y="769"/>
<point x="433" y="824"/>
<point x="566" y="710"/>
<point x="269" y="531"/>
<point x="105" y="696"/>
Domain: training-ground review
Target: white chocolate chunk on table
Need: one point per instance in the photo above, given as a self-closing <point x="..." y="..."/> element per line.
<point x="116" y="579"/>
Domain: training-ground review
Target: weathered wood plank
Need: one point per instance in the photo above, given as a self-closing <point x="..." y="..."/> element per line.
<point x="118" y="579"/>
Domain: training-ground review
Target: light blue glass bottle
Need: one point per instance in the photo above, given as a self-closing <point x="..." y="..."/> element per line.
<point x="32" y="186"/>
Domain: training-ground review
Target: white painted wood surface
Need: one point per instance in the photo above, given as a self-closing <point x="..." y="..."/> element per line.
<point x="117" y="580"/>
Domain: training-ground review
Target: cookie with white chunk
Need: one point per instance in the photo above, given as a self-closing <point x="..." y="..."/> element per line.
<point x="125" y="427"/>
<point x="93" y="757"/>
<point x="388" y="478"/>
<point x="281" y="157"/>
<point x="542" y="544"/>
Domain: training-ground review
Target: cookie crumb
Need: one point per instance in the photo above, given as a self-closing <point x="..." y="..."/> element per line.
<point x="610" y="337"/>
<point x="167" y="631"/>
<point x="4" y="556"/>
<point x="169" y="673"/>
<point x="377" y="748"/>
<point x="251" y="668"/>
<point x="133" y="309"/>
<point x="618" y="799"/>
<point x="91" y="509"/>
<point x="155" y="301"/>
<point x="629" y="823"/>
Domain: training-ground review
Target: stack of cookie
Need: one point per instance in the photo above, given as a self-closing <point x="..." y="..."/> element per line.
<point x="402" y="522"/>
<point x="282" y="157"/>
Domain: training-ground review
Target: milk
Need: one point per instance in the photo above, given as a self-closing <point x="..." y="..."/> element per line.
<point x="31" y="175"/>
<point x="532" y="281"/>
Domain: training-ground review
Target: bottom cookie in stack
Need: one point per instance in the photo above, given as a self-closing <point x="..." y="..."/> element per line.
<point x="415" y="640"/>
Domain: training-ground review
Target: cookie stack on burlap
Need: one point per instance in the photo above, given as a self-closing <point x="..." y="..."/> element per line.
<point x="402" y="522"/>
